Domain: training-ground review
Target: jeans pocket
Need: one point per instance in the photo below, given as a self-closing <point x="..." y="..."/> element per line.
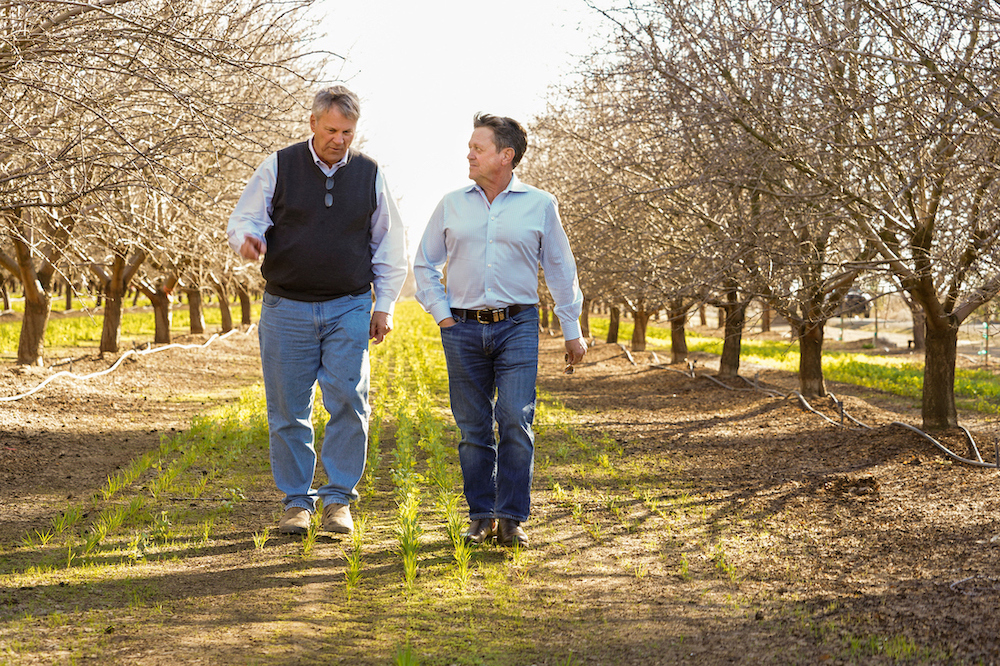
<point x="270" y="300"/>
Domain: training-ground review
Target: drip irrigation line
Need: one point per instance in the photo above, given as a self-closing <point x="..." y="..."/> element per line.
<point x="725" y="386"/>
<point x="628" y="354"/>
<point x="121" y="359"/>
<point x="967" y="461"/>
<point x="805" y="403"/>
<point x="774" y="393"/>
<point x="978" y="462"/>
<point x="843" y="412"/>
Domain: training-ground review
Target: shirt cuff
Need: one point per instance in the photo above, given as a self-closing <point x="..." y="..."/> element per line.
<point x="441" y="312"/>
<point x="571" y="330"/>
<point x="384" y="304"/>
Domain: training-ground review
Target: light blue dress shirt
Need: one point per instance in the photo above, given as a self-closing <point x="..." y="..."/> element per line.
<point x="493" y="252"/>
<point x="252" y="216"/>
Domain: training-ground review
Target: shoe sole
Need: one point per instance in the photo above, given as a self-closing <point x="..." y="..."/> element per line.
<point x="293" y="529"/>
<point x="338" y="529"/>
<point x="514" y="543"/>
<point x="472" y="542"/>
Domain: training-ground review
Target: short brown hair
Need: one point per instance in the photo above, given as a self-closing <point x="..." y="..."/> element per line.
<point x="507" y="133"/>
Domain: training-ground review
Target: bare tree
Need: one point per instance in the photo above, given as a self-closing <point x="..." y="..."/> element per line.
<point x="110" y="99"/>
<point x="873" y="128"/>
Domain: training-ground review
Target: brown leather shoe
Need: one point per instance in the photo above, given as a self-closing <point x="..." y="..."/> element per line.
<point x="510" y="533"/>
<point x="337" y="518"/>
<point x="294" y="521"/>
<point x="480" y="531"/>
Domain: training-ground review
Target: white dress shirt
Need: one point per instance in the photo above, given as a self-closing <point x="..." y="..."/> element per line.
<point x="493" y="252"/>
<point x="252" y="217"/>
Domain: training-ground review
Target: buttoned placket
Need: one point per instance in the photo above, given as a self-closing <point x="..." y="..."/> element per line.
<point x="492" y="214"/>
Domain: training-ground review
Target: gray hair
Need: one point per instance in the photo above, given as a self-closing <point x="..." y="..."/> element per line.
<point x="345" y="101"/>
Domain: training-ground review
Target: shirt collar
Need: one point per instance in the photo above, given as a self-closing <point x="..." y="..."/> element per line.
<point x="515" y="185"/>
<point x="320" y="162"/>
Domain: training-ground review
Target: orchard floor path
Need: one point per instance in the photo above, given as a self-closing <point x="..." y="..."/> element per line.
<point x="720" y="526"/>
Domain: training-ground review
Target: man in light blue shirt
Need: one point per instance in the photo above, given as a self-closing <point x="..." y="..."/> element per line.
<point x="494" y="235"/>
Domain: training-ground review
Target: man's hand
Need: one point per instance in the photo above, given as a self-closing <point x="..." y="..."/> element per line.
<point x="575" y="350"/>
<point x="380" y="326"/>
<point x="447" y="322"/>
<point x="253" y="248"/>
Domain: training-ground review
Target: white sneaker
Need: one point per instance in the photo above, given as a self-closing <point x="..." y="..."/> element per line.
<point x="337" y="518"/>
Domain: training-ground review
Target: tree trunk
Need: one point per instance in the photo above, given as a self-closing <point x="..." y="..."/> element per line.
<point x="721" y="313"/>
<point x="613" y="320"/>
<point x="69" y="296"/>
<point x="938" y="409"/>
<point x="703" y="315"/>
<point x="729" y="363"/>
<point x="113" y="298"/>
<point x="585" y="317"/>
<point x="245" y="304"/>
<point x="919" y="328"/>
<point x="227" y="315"/>
<point x="678" y="339"/>
<point x="111" y="330"/>
<point x="194" y="307"/>
<point x="765" y="318"/>
<point x="641" y="322"/>
<point x="811" y="382"/>
<point x="163" y="314"/>
<point x="31" y="343"/>
<point x="5" y="294"/>
<point x="35" y="286"/>
<point x="543" y="319"/>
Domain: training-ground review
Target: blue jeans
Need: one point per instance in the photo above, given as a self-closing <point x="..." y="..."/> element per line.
<point x="492" y="370"/>
<point x="302" y="345"/>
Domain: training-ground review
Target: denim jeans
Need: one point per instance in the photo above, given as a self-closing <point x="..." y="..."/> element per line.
<point x="492" y="370"/>
<point x="301" y="345"/>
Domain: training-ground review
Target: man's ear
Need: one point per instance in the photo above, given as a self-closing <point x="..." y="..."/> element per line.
<point x="508" y="155"/>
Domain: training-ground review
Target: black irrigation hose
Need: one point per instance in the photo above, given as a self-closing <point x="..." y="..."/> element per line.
<point x="774" y="393"/>
<point x="975" y="463"/>
<point x="978" y="462"/>
<point x="843" y="412"/>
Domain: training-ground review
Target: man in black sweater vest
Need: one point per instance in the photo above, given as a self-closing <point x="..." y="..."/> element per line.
<point x="321" y="217"/>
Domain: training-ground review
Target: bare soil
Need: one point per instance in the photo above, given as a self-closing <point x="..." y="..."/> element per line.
<point x="865" y="534"/>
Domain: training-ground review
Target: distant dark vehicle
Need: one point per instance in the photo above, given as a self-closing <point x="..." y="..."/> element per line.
<point x="855" y="304"/>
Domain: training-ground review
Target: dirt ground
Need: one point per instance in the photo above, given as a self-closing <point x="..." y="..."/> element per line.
<point x="878" y="525"/>
<point x="63" y="441"/>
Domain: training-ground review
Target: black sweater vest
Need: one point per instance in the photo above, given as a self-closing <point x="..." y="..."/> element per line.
<point x="315" y="253"/>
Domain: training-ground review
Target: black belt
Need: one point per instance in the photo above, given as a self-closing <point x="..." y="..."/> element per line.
<point x="489" y="316"/>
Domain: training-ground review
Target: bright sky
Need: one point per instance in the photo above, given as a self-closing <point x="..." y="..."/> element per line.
<point x="423" y="69"/>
